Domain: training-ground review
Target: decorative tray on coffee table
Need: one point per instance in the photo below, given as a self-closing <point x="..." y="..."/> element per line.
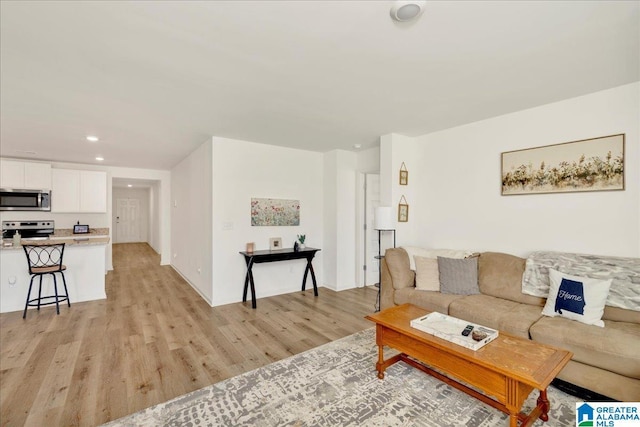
<point x="450" y="328"/>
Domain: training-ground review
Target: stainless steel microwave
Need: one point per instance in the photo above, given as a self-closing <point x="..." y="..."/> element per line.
<point x="24" y="200"/>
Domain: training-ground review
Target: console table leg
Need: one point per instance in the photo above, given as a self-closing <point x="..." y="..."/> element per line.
<point x="304" y="278"/>
<point x="246" y="287"/>
<point x="249" y="278"/>
<point x="253" y="291"/>
<point x="313" y="278"/>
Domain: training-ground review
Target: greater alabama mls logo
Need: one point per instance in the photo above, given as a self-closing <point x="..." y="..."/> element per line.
<point x="608" y="414"/>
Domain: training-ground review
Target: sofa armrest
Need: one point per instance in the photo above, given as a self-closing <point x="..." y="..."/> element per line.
<point x="395" y="274"/>
<point x="397" y="261"/>
<point x="386" y="286"/>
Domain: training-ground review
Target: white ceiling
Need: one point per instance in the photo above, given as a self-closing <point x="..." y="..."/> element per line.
<point x="154" y="79"/>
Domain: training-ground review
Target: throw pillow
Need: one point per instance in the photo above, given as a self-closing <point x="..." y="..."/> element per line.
<point x="577" y="298"/>
<point x="458" y="276"/>
<point x="414" y="251"/>
<point x="427" y="274"/>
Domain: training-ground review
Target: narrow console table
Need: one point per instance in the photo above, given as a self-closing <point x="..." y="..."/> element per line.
<point x="258" y="257"/>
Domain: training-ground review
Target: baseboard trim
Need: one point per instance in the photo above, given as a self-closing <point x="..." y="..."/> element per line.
<point x="191" y="284"/>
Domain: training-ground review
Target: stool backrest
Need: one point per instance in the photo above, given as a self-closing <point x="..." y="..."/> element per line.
<point x="44" y="255"/>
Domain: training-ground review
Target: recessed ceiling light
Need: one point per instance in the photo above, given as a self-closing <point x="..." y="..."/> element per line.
<point x="99" y="159"/>
<point x="129" y="185"/>
<point x="92" y="138"/>
<point x="357" y="145"/>
<point x="407" y="10"/>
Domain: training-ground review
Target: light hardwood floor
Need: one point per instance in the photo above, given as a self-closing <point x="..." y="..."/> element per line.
<point x="153" y="339"/>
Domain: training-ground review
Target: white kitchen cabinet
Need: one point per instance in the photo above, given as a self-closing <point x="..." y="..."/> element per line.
<point x="79" y="191"/>
<point x="65" y="191"/>
<point x="25" y="175"/>
<point x="93" y="191"/>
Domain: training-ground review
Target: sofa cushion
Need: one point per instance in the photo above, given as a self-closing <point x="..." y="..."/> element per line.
<point x="398" y="264"/>
<point x="427" y="274"/>
<point x="497" y="313"/>
<point x="615" y="347"/>
<point x="500" y="275"/>
<point x="458" y="276"/>
<point x="429" y="300"/>
<point x="576" y="298"/>
<point x="621" y="315"/>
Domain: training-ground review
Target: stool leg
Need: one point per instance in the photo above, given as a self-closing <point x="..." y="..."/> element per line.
<point x="66" y="291"/>
<point x="40" y="292"/>
<point x="24" y="315"/>
<point x="55" y="290"/>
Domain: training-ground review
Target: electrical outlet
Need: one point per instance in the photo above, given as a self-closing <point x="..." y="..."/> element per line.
<point x="227" y="225"/>
<point x="12" y="281"/>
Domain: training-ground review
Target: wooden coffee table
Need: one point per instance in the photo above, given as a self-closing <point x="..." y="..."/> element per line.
<point x="506" y="370"/>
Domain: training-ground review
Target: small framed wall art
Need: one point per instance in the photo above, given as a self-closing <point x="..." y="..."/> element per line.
<point x="275" y="243"/>
<point x="403" y="210"/>
<point x="404" y="174"/>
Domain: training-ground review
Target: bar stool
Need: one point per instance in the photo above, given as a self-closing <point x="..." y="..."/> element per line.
<point x="46" y="259"/>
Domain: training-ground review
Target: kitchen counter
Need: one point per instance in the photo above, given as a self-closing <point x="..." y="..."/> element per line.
<point x="86" y="269"/>
<point x="68" y="232"/>
<point x="70" y="241"/>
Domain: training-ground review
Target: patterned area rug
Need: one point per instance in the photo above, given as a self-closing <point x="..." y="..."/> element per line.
<point x="336" y="385"/>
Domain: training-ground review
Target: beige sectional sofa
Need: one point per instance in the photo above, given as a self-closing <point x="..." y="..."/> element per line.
<point x="605" y="360"/>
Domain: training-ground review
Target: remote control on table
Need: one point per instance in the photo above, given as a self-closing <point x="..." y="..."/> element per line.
<point x="467" y="330"/>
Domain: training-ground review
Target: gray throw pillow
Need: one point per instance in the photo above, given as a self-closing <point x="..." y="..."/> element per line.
<point x="458" y="276"/>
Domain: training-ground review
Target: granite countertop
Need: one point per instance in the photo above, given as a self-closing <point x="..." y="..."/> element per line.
<point x="68" y="232"/>
<point x="96" y="236"/>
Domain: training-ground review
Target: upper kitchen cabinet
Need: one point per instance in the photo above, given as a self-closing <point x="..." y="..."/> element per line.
<point x="93" y="191"/>
<point x="79" y="191"/>
<point x="25" y="175"/>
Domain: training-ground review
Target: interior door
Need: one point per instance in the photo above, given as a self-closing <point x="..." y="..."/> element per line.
<point x="372" y="201"/>
<point x="127" y="220"/>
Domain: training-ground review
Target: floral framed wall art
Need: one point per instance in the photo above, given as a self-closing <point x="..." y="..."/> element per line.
<point x="595" y="164"/>
<point x="270" y="212"/>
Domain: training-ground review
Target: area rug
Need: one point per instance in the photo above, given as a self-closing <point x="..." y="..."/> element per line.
<point x="336" y="385"/>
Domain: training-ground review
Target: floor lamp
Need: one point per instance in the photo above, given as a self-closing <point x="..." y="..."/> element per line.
<point x="383" y="223"/>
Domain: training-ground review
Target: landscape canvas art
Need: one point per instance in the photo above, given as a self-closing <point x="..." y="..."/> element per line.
<point x="595" y="164"/>
<point x="270" y="212"/>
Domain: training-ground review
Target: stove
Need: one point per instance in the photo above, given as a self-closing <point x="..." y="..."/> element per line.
<point x="28" y="229"/>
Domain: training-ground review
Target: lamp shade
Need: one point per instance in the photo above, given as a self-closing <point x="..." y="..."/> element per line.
<point x="384" y="218"/>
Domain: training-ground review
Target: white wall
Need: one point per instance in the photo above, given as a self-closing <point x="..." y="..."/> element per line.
<point x="242" y="170"/>
<point x="330" y="219"/>
<point x="397" y="149"/>
<point x="191" y="218"/>
<point x="142" y="195"/>
<point x="457" y="201"/>
<point x="155" y="212"/>
<point x="340" y="219"/>
<point x="368" y="161"/>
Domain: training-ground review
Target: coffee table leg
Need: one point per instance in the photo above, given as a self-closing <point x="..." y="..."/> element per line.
<point x="380" y="365"/>
<point x="543" y="404"/>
